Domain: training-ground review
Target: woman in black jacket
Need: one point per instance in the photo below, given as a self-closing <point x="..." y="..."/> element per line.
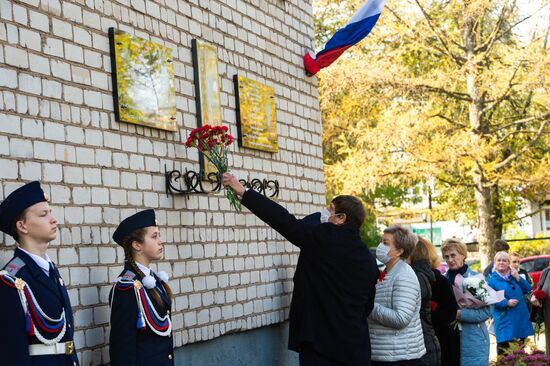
<point x="423" y="259"/>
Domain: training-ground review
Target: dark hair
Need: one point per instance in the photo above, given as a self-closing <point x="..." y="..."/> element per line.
<point x="20" y="217"/>
<point x="139" y="236"/>
<point x="403" y="239"/>
<point x="352" y="207"/>
<point x="501" y="245"/>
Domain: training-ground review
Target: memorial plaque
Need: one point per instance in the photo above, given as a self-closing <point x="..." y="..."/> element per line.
<point x="207" y="89"/>
<point x="256" y="115"/>
<point x="143" y="81"/>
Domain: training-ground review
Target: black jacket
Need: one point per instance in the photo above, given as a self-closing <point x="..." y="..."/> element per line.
<point x="426" y="279"/>
<point x="442" y="317"/>
<point x="131" y="346"/>
<point x="334" y="284"/>
<point x="51" y="295"/>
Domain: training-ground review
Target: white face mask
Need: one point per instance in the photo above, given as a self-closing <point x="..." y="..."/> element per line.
<point x="325" y="214"/>
<point x="382" y="251"/>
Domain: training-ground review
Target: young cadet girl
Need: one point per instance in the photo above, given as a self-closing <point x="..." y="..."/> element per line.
<point x="35" y="311"/>
<point x="141" y="328"/>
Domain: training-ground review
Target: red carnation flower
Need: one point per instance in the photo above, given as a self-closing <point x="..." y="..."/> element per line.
<point x="540" y="295"/>
<point x="433" y="305"/>
<point x="381" y="276"/>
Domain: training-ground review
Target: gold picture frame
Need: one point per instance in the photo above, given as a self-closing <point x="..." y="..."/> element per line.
<point x="256" y="115"/>
<point x="207" y="90"/>
<point x="143" y="81"/>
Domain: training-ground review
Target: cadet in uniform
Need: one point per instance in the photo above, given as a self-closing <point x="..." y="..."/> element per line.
<point x="141" y="328"/>
<point x="35" y="311"/>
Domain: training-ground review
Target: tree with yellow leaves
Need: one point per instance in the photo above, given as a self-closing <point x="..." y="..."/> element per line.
<point x="451" y="91"/>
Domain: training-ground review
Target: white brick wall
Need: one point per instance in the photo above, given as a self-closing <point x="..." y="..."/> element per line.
<point x="228" y="271"/>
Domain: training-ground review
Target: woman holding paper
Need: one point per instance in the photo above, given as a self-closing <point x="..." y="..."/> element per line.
<point x="511" y="315"/>
<point x="471" y="316"/>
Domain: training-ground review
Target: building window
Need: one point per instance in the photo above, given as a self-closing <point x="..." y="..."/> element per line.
<point x="547" y="218"/>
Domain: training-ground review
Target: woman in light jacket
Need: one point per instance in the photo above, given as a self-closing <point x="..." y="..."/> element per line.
<point x="394" y="323"/>
<point x="474" y="338"/>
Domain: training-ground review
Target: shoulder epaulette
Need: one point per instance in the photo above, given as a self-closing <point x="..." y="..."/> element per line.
<point x="128" y="276"/>
<point x="14" y="266"/>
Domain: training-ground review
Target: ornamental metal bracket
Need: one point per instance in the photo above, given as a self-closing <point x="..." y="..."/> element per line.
<point x="192" y="182"/>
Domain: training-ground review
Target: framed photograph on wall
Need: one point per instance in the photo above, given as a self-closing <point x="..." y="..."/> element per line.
<point x="256" y="115"/>
<point x="207" y="89"/>
<point x="143" y="81"/>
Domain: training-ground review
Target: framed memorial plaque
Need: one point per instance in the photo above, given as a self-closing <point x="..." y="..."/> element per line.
<point x="143" y="81"/>
<point x="256" y="115"/>
<point x="207" y="89"/>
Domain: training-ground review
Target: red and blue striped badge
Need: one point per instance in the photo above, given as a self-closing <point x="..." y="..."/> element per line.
<point x="147" y="314"/>
<point x="358" y="27"/>
<point x="37" y="322"/>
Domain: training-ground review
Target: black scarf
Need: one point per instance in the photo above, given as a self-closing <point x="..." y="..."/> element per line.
<point x="452" y="273"/>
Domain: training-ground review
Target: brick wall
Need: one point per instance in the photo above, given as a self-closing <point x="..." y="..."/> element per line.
<point x="229" y="272"/>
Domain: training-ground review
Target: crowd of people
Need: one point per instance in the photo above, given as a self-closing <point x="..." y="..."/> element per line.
<point x="344" y="311"/>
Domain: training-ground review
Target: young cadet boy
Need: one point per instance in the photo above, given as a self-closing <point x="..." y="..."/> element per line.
<point x="35" y="311"/>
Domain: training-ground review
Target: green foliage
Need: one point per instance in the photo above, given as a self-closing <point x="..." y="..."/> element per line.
<point x="526" y="248"/>
<point x="370" y="233"/>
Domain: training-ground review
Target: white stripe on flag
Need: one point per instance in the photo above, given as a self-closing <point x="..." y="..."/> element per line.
<point x="368" y="9"/>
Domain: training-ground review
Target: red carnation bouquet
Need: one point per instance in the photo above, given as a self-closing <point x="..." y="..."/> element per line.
<point x="213" y="141"/>
<point x="540" y="296"/>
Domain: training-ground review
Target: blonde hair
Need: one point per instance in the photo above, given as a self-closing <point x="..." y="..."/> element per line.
<point x="502" y="254"/>
<point x="455" y="244"/>
<point x="424" y="250"/>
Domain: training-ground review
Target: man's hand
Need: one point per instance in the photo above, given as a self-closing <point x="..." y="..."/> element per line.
<point x="229" y="180"/>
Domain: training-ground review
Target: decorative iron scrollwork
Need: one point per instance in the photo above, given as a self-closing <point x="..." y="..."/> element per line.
<point x="192" y="182"/>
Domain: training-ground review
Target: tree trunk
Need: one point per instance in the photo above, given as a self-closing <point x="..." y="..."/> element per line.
<point x="497" y="214"/>
<point x="483" y="191"/>
<point x="485" y="220"/>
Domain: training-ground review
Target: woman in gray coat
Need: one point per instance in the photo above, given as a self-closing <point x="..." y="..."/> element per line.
<point x="394" y="323"/>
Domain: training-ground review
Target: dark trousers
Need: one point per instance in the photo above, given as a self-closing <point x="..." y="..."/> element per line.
<point x="503" y="346"/>
<point x="310" y="357"/>
<point x="398" y="363"/>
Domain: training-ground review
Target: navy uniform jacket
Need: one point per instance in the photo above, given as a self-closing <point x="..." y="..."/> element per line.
<point x="334" y="283"/>
<point x="131" y="346"/>
<point x="50" y="295"/>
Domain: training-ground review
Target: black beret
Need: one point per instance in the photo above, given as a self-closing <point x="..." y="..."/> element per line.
<point x="136" y="221"/>
<point x="19" y="200"/>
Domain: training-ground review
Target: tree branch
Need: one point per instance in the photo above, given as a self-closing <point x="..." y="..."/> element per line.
<point x="487" y="45"/>
<point x="521" y="121"/>
<point x="437" y="33"/>
<point x="457" y="59"/>
<point x="516" y="155"/>
<point x="505" y="94"/>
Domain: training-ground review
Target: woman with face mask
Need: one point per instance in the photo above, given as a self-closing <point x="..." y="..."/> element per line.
<point x="394" y="323"/>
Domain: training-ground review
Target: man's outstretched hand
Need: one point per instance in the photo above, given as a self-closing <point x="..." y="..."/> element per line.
<point x="229" y="180"/>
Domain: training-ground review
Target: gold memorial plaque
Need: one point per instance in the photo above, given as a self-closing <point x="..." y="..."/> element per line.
<point x="256" y="115"/>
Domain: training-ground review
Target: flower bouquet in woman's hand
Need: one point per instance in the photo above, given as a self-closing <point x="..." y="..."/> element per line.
<point x="537" y="298"/>
<point x="212" y="141"/>
<point x="474" y="293"/>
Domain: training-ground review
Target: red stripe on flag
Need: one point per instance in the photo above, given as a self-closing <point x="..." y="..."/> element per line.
<point x="329" y="57"/>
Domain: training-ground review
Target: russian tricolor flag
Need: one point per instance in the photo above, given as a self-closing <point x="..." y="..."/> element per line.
<point x="357" y="28"/>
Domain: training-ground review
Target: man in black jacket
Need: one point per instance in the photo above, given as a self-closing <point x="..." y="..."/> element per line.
<point x="334" y="282"/>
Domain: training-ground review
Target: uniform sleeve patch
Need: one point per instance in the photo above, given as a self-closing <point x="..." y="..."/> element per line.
<point x="14" y="266"/>
<point x="128" y="276"/>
